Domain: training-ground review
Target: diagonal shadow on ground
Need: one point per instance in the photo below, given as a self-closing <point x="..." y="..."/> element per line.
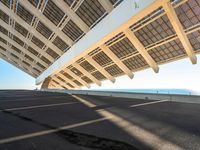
<point x="81" y="139"/>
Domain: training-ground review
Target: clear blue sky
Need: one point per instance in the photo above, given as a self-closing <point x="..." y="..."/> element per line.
<point x="180" y="74"/>
<point x="13" y="78"/>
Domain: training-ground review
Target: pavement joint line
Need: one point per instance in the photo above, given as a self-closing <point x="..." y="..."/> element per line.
<point x="149" y="103"/>
<point x="37" y="106"/>
<point x="45" y="132"/>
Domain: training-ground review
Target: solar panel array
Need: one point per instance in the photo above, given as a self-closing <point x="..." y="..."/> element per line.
<point x="40" y="40"/>
<point x="39" y="46"/>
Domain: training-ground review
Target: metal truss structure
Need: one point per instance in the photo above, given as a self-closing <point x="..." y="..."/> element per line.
<point x="35" y="34"/>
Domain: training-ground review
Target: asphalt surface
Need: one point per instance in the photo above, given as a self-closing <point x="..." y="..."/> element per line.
<point x="33" y="120"/>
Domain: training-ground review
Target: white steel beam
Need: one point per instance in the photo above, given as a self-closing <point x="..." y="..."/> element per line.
<point x="77" y="77"/>
<point x="91" y="77"/>
<point x="46" y="21"/>
<point x="73" y="16"/>
<point x="100" y="68"/>
<point x="29" y="28"/>
<point x="107" y="5"/>
<point x="141" y="49"/>
<point x="117" y="61"/>
<point x="179" y="31"/>
<point x="25" y="51"/>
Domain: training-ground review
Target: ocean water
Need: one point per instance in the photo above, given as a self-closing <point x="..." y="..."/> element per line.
<point x="159" y="91"/>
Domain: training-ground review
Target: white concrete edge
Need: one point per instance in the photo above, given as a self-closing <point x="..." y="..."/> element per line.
<point x="121" y="14"/>
<point x="143" y="96"/>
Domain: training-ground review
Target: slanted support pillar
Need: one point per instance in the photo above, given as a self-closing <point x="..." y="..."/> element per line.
<point x="141" y="49"/>
<point x="179" y="31"/>
<point x="100" y="68"/>
<point x="117" y="61"/>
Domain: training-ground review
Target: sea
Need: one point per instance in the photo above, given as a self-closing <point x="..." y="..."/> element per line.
<point x="154" y="91"/>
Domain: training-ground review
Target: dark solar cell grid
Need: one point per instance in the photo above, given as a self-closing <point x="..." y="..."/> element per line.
<point x="76" y="71"/>
<point x="167" y="51"/>
<point x="24" y="68"/>
<point x="21" y="29"/>
<point x="2" y="40"/>
<point x="61" y="79"/>
<point x="195" y="40"/>
<point x="90" y="11"/>
<point x="52" y="53"/>
<point x="80" y="60"/>
<point x="45" y="60"/>
<point x="123" y="48"/>
<point x="175" y="2"/>
<point x="115" y="38"/>
<point x="6" y="2"/>
<point x="189" y="13"/>
<point x="72" y="30"/>
<point x="26" y="63"/>
<point x="53" y="12"/>
<point x="16" y="39"/>
<point x="3" y="55"/>
<point x="2" y="48"/>
<point x="98" y="75"/>
<point x="66" y="75"/>
<point x="135" y="62"/>
<point x="37" y="70"/>
<point x="24" y="14"/>
<point x="37" y="42"/>
<point x="16" y="57"/>
<point x="4" y="16"/>
<point x="87" y="66"/>
<point x="34" y="2"/>
<point x="63" y="87"/>
<point x="69" y="2"/>
<point x="118" y="2"/>
<point x="92" y="53"/>
<point x="147" y="18"/>
<point x="30" y="49"/>
<point x="78" y="83"/>
<point x="3" y="30"/>
<point x="114" y="70"/>
<point x="102" y="59"/>
<point x="39" y="64"/>
<point x="70" y="85"/>
<point x="86" y="79"/>
<point x="113" y="1"/>
<point x="58" y="42"/>
<point x="69" y="67"/>
<point x="15" y="63"/>
<point x="155" y="31"/>
<point x="55" y="82"/>
<point x="29" y="58"/>
<point x="44" y="30"/>
<point x="16" y="49"/>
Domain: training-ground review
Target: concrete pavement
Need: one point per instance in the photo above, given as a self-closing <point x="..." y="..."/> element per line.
<point x="44" y="120"/>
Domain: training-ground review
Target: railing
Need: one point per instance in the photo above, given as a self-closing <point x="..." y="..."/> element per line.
<point x="146" y="96"/>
